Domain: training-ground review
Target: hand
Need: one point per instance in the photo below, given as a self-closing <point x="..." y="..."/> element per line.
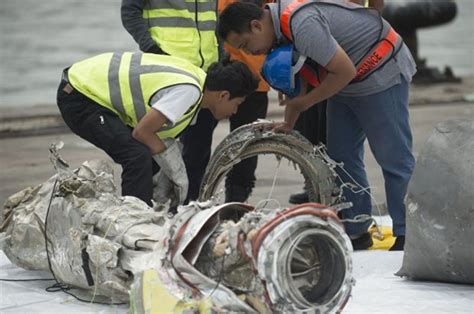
<point x="298" y="103"/>
<point x="168" y="190"/>
<point x="281" y="127"/>
<point x="282" y="98"/>
<point x="162" y="188"/>
<point x="172" y="166"/>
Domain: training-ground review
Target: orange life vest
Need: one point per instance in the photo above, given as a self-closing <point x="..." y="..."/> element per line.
<point x="386" y="47"/>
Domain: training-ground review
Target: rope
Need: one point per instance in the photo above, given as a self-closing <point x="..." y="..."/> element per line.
<point x="269" y="197"/>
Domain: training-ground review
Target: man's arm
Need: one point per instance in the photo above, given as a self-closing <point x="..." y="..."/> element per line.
<point x="137" y="26"/>
<point x="172" y="180"/>
<point x="340" y="70"/>
<point x="167" y="106"/>
<point x="145" y="131"/>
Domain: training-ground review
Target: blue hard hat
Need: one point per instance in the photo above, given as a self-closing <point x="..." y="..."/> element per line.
<point x="280" y="71"/>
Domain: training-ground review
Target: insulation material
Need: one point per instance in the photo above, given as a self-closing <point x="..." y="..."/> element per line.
<point x="258" y="138"/>
<point x="230" y="257"/>
<point x="95" y="239"/>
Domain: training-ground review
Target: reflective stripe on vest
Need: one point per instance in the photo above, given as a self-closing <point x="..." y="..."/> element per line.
<point x="184" y="29"/>
<point x="387" y="46"/>
<point x="385" y="50"/>
<point x="126" y="82"/>
<point x="189" y="5"/>
<point x="136" y="69"/>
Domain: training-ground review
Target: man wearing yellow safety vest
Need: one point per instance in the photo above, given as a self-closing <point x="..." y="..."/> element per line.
<point x="133" y="106"/>
<point x="362" y="67"/>
<point x="180" y="28"/>
<point x="186" y="29"/>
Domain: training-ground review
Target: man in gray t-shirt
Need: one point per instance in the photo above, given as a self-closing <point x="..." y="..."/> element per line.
<point x="338" y="35"/>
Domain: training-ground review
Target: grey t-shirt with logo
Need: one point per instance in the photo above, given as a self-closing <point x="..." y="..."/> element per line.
<point x="317" y="29"/>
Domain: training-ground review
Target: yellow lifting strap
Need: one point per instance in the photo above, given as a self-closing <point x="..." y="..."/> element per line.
<point x="381" y="243"/>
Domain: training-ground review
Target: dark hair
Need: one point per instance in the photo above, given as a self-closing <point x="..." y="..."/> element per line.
<point x="236" y="18"/>
<point x="260" y="3"/>
<point x="232" y="76"/>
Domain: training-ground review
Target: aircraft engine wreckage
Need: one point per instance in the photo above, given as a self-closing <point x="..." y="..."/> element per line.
<point x="254" y="139"/>
<point x="238" y="258"/>
<point x="440" y="207"/>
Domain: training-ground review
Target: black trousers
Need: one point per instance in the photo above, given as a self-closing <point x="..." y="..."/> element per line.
<point x="103" y="128"/>
<point x="197" y="141"/>
<point x="255" y="107"/>
<point x="312" y="123"/>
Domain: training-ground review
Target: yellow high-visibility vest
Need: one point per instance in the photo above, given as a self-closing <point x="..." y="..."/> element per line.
<point x="184" y="28"/>
<point x="126" y="82"/>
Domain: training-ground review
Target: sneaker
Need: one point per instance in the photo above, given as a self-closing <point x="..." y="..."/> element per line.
<point x="362" y="242"/>
<point x="399" y="244"/>
<point x="299" y="198"/>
